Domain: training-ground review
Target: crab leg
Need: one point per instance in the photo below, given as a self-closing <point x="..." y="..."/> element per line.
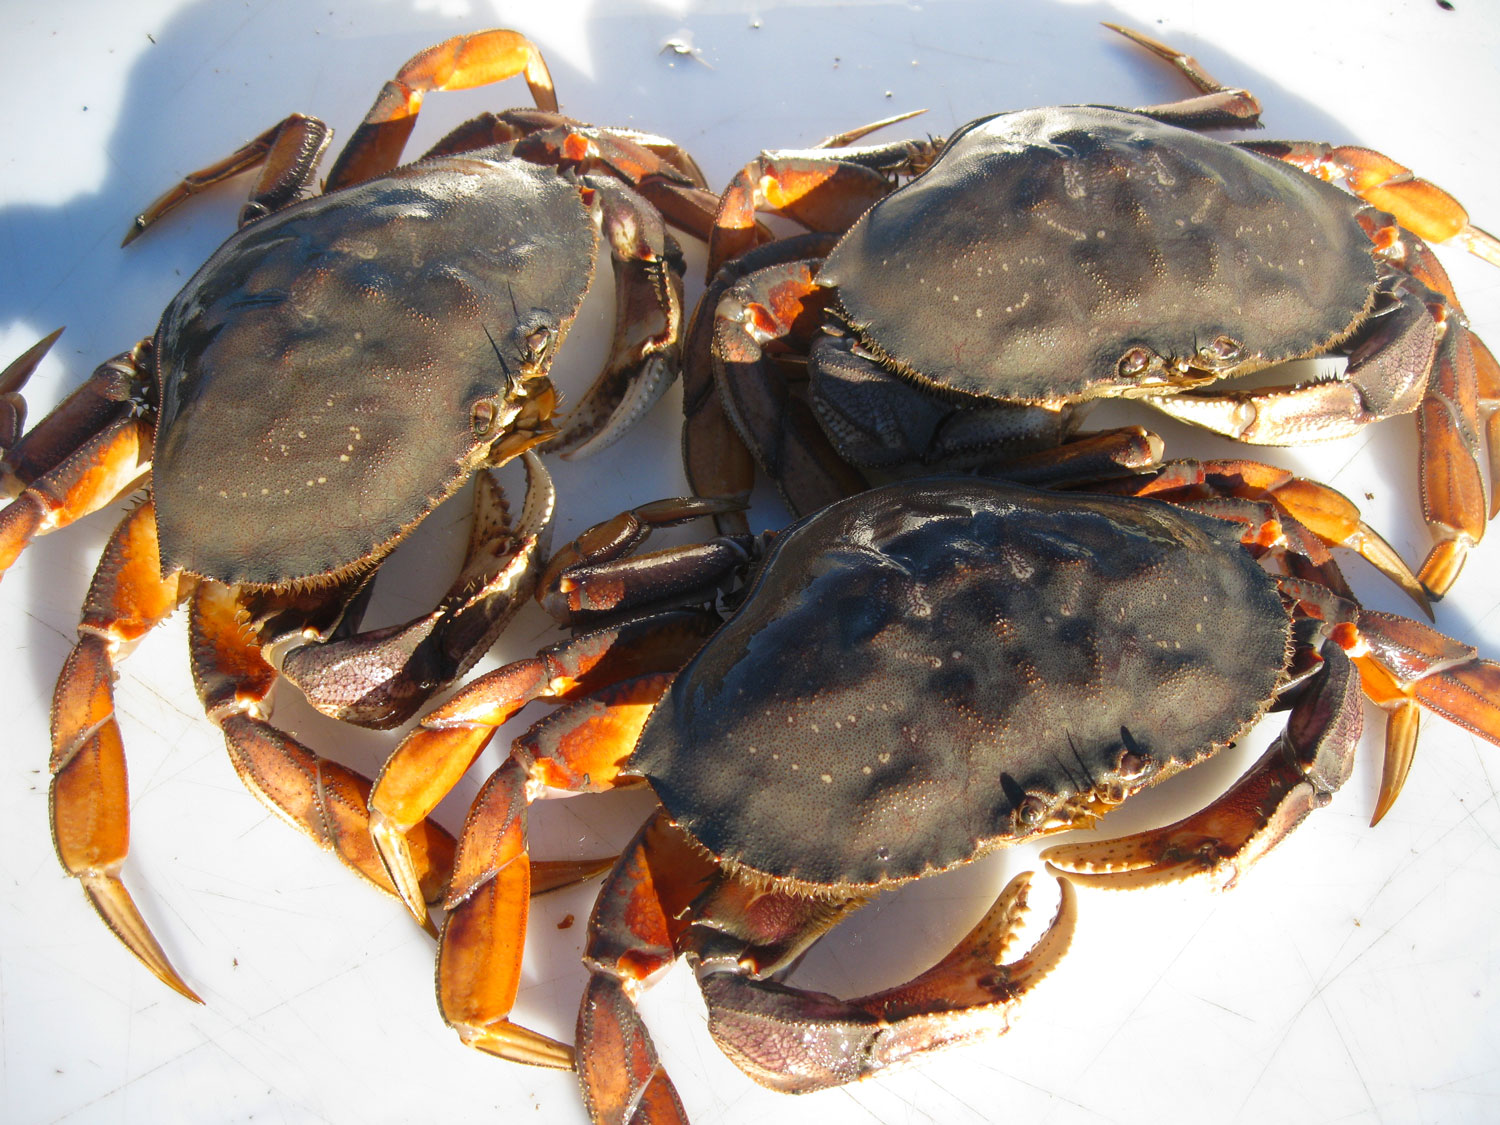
<point x="823" y="189"/>
<point x="715" y="458"/>
<point x="1217" y="107"/>
<point x="1416" y="354"/>
<point x="786" y="1038"/>
<point x="89" y="797"/>
<point x="794" y="1040"/>
<point x="1327" y="513"/>
<point x="639" y="918"/>
<point x="12" y="380"/>
<point x="656" y="168"/>
<point x="380" y="678"/>
<point x="1419" y="205"/>
<point x="579" y="748"/>
<point x="91" y="449"/>
<point x="459" y="63"/>
<point x="774" y="304"/>
<point x="1405" y="665"/>
<point x="289" y="151"/>
<point x="599" y="573"/>
<point x="432" y="758"/>
<point x="319" y="797"/>
<point x="1300" y="771"/>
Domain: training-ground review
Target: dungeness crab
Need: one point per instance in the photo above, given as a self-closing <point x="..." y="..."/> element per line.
<point x="336" y="370"/>
<point x="1043" y="259"/>
<point x="918" y="674"/>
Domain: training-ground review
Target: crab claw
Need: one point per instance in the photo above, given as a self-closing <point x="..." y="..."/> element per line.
<point x="380" y="678"/>
<point x="795" y="1041"/>
<point x="1297" y="774"/>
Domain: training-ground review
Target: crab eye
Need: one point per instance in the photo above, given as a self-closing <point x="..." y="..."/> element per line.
<point x="1224" y="349"/>
<point x="1031" y="812"/>
<point x="482" y="417"/>
<point x="1135" y="361"/>
<point x="537" y="343"/>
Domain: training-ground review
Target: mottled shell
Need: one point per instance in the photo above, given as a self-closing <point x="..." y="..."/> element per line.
<point x="319" y="373"/>
<point x="926" y="671"/>
<point x="1044" y="245"/>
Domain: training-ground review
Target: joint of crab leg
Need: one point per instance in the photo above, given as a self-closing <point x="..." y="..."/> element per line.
<point x="89" y="799"/>
<point x="325" y="801"/>
<point x="289" y="150"/>
<point x="459" y="63"/>
<point x="1298" y="773"/>
<point x="1405" y="664"/>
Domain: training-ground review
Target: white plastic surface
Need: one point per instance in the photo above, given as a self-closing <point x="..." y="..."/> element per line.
<point x="1354" y="976"/>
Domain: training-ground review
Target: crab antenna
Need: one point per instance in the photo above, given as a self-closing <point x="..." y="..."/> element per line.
<point x="510" y="380"/>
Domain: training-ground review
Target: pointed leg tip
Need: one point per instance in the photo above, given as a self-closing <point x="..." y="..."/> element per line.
<point x="514" y="1043"/>
<point x="395" y="852"/>
<point x="109" y="897"/>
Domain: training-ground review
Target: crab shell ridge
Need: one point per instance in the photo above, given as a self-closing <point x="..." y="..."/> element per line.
<point x="931" y="670"/>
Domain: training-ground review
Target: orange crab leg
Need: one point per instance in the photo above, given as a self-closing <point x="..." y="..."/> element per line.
<point x="89" y="797"/>
<point x="322" y="799"/>
<point x="1464" y="386"/>
<point x="459" y="63"/>
<point x="1405" y="665"/>
<point x="81" y="457"/>
<point x="432" y="758"/>
<point x="1322" y="510"/>
<point x="1419" y="205"/>
<point x="639" y="917"/>
<point x="580" y="748"/>
<point x="823" y="193"/>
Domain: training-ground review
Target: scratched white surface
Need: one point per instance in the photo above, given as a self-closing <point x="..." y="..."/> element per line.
<point x="1354" y="976"/>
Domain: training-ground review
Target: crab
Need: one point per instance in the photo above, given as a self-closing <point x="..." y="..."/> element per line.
<point x="343" y="364"/>
<point x="1044" y="259"/>
<point x="915" y="676"/>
